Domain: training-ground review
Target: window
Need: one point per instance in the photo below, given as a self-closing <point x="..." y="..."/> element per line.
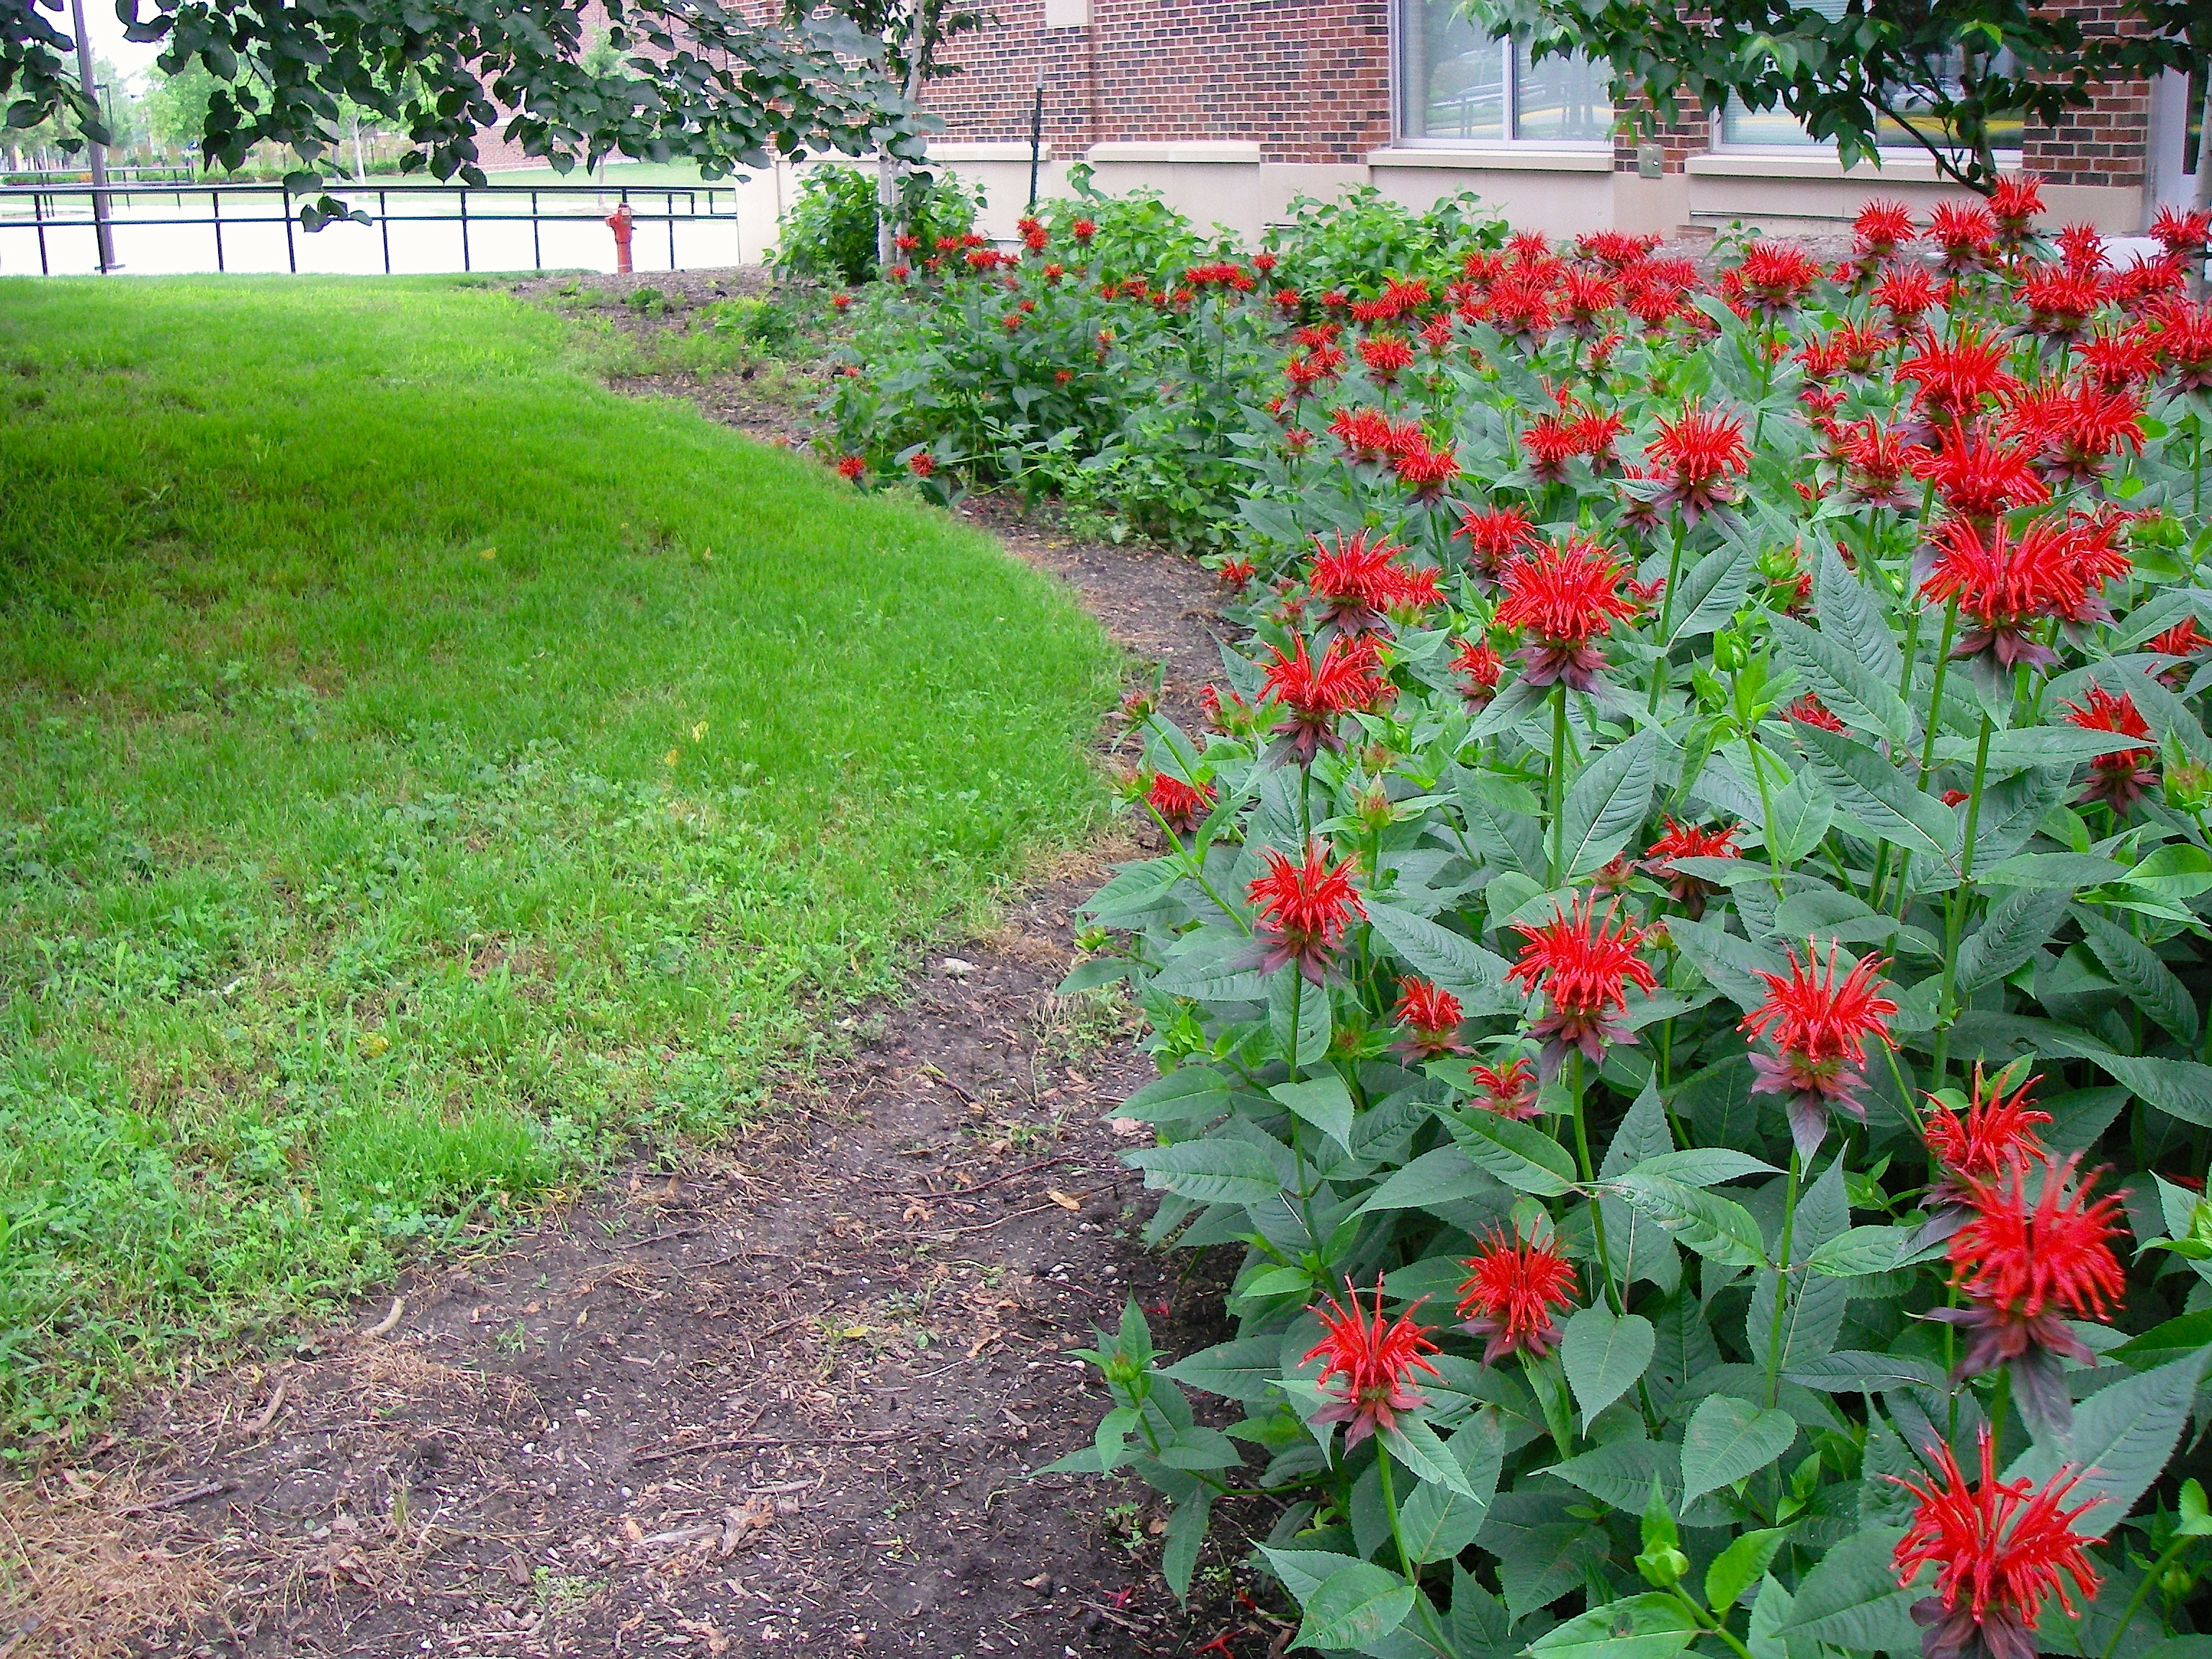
<point x="1458" y="85"/>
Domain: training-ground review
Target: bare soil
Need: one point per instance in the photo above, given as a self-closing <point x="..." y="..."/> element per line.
<point x="784" y="1396"/>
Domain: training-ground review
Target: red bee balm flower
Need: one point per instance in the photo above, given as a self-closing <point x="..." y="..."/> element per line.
<point x="2055" y="570"/>
<point x="2000" y="1549"/>
<point x="1977" y="479"/>
<point x="1386" y="356"/>
<point x="1431" y="1017"/>
<point x="1304" y="911"/>
<point x="1358" y="580"/>
<point x="1510" y="1093"/>
<point x="1566" y="594"/>
<point x="1181" y="807"/>
<point x="1585" y="964"/>
<point x="2024" y="1271"/>
<point x="1698" y="456"/>
<point x="2120" y="776"/>
<point x="1820" y="1027"/>
<point x="1494" y="535"/>
<point x="1375" y="1358"/>
<point x="1314" y="695"/>
<point x="1809" y="710"/>
<point x="1510" y="1295"/>
<point x="1481" y="668"/>
<point x="1996" y="1133"/>
<point x="1688" y="841"/>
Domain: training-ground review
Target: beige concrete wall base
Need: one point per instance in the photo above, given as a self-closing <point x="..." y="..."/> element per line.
<point x="1644" y="206"/>
<point x="1557" y="204"/>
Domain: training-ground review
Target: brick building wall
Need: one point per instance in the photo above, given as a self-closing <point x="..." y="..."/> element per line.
<point x="1689" y="132"/>
<point x="1306" y="80"/>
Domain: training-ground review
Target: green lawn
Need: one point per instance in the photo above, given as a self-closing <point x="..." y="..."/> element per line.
<point x="421" y="770"/>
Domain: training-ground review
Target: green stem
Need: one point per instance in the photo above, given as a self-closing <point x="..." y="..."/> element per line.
<point x="1558" y="783"/>
<point x="1714" y="1623"/>
<point x="1955" y="919"/>
<point x="2166" y="1557"/>
<point x="1577" y="1088"/>
<point x="1667" y="613"/>
<point x="1782" y="1278"/>
<point x="1405" y="1555"/>
<point x="1905" y="696"/>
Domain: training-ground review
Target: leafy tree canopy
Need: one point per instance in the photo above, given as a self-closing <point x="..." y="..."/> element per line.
<point x="1946" y="71"/>
<point x="682" y="78"/>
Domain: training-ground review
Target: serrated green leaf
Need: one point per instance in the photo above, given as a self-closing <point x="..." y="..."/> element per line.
<point x="1647" y="1626"/>
<point x="1519" y="1154"/>
<point x="2136" y="969"/>
<point x="1851" y="1599"/>
<point x="1215" y="1170"/>
<point x="1741" y="1565"/>
<point x="1873" y="791"/>
<point x="1845" y="682"/>
<point x="1323" y="1101"/>
<point x="1244" y="1368"/>
<point x="1438" y="1523"/>
<point x="1608" y="802"/>
<point x="1454" y="960"/>
<point x="2014" y="929"/>
<point x="1705" y="1166"/>
<point x="1717" y="1228"/>
<point x="1861" y="1250"/>
<point x="1353" y="1607"/>
<point x="2122" y="1436"/>
<point x="1603" y="1355"/>
<point x="1726" y="1439"/>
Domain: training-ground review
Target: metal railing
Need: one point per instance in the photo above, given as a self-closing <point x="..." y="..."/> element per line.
<point x="38" y="208"/>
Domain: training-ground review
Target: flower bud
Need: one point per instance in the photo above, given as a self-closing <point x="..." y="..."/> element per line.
<point x="2188" y="788"/>
<point x="1663" y="1567"/>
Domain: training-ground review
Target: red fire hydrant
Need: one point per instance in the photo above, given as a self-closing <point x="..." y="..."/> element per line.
<point x="619" y="223"/>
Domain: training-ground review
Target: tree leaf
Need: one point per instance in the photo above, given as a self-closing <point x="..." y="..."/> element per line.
<point x="1726" y="1439"/>
<point x="1608" y="802"/>
<point x="1354" y="1605"/>
<point x="1519" y="1154"/>
<point x="1851" y="1600"/>
<point x="2122" y="1436"/>
<point x="1603" y="1355"/>
<point x="1845" y="684"/>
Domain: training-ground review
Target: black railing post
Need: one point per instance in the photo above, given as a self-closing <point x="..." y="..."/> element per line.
<point x="537" y="253"/>
<point x="384" y="229"/>
<point x="38" y="218"/>
<point x="292" y="252"/>
<point x="215" y="201"/>
<point x="464" y="230"/>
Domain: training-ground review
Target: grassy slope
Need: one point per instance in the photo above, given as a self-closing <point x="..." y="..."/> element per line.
<point x="419" y="769"/>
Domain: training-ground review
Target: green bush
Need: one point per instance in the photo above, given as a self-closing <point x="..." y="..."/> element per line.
<point x="829" y="233"/>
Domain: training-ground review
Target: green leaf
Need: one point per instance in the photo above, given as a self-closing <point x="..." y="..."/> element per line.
<point x="1803" y="810"/>
<point x="1705" y="1166"/>
<point x="1851" y="1600"/>
<point x="1739" y="1566"/>
<point x="1304" y="1572"/>
<point x="1603" y="1355"/>
<point x="1857" y="1371"/>
<point x="1620" y="1472"/>
<point x="1214" y="1171"/>
<point x="2122" y="1434"/>
<point x="1730" y="964"/>
<point x="1769" y="1608"/>
<point x="2066" y="871"/>
<point x="1355" y="1606"/>
<point x="2014" y="929"/>
<point x="1726" y="1439"/>
<point x="1454" y="960"/>
<point x="2136" y="969"/>
<point x="2176" y="870"/>
<point x="1186" y="1532"/>
<point x="2053" y="745"/>
<point x="1442" y="1175"/>
<point x="1717" y="1228"/>
<point x="1861" y="1250"/>
<point x="1848" y="615"/>
<point x="1519" y="1154"/>
<point x="1608" y="801"/>
<point x="1873" y="790"/>
<point x="1845" y="684"/>
<point x="1713" y="590"/>
<point x="1648" y="1626"/>
<point x="2174" y="1340"/>
<point x="1323" y="1101"/>
<point x="1414" y="1444"/>
<point x="1244" y="1368"/>
<point x="2181" y="1087"/>
<point x="1438" y="1523"/>
<point x="1188" y="1093"/>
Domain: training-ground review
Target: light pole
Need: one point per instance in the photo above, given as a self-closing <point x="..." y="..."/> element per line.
<point x="105" y="231"/>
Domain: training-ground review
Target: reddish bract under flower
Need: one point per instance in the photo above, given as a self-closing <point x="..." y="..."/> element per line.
<point x="1511" y="1293"/>
<point x="1304" y="908"/>
<point x="1584" y="964"/>
<point x="1376" y="1357"/>
<point x="2000" y="1550"/>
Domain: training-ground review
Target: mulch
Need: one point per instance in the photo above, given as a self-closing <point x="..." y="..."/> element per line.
<point x="786" y="1395"/>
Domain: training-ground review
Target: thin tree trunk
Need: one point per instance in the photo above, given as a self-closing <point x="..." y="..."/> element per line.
<point x="2203" y="194"/>
<point x="890" y="218"/>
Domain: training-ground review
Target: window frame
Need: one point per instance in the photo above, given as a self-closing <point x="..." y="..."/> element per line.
<point x="1402" y="97"/>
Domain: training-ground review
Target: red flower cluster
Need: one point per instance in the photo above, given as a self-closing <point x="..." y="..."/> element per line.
<point x="1313" y="693"/>
<point x="1431" y="1017"/>
<point x="1360" y="581"/>
<point x="1699" y="456"/>
<point x="1688" y="841"/>
<point x="1996" y="1133"/>
<point x="1376" y="1357"/>
<point x="1979" y="478"/>
<point x="1181" y="807"/>
<point x="1480" y="666"/>
<point x="2000" y="1550"/>
<point x="1567" y="594"/>
<point x="1510" y="1092"/>
<point x="2118" y="777"/>
<point x="1304" y="908"/>
<point x="1513" y="1289"/>
<point x="1494" y="535"/>
<point x="1584" y="964"/>
<point x="1819" y="1027"/>
<point x="2054" y="572"/>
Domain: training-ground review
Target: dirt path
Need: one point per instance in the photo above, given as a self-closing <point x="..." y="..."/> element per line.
<point x="785" y="1399"/>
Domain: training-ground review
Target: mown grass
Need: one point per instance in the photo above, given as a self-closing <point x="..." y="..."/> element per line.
<point x="421" y="770"/>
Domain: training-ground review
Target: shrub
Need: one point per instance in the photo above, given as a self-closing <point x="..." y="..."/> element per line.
<point x="1680" y="958"/>
<point x="829" y="234"/>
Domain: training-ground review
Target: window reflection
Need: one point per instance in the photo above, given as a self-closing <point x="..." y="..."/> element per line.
<point x="1460" y="83"/>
